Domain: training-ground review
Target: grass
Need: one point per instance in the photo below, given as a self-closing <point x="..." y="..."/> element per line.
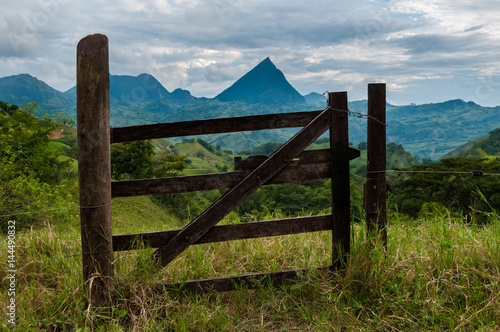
<point x="441" y="276"/>
<point x="139" y="214"/>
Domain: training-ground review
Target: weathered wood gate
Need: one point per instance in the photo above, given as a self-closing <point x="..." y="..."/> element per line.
<point x="290" y="163"/>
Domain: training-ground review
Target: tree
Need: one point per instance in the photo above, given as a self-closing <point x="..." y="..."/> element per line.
<point x="134" y="159"/>
<point x="138" y="160"/>
<point x="32" y="176"/>
<point x="24" y="144"/>
<point x="168" y="165"/>
<point x="450" y="183"/>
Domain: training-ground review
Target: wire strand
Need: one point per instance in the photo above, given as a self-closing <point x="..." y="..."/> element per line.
<point x="475" y="173"/>
<point x="390" y="223"/>
<point x="439" y="223"/>
<point x="62" y="257"/>
<point x="358" y="114"/>
<point x="56" y="209"/>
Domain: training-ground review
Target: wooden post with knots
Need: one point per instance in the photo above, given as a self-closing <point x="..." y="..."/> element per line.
<point x="375" y="186"/>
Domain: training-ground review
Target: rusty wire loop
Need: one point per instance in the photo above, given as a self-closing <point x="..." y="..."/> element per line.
<point x="356" y="114"/>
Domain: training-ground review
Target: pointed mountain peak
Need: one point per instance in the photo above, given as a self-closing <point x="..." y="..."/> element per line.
<point x="266" y="62"/>
<point x="264" y="84"/>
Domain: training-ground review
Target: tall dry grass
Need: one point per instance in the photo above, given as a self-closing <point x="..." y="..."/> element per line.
<point x="439" y="276"/>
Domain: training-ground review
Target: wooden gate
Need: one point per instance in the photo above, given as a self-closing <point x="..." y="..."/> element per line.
<point x="290" y="163"/>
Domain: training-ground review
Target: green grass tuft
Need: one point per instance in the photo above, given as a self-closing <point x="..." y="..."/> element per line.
<point x="441" y="276"/>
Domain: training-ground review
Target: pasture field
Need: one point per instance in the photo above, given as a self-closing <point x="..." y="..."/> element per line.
<point x="436" y="274"/>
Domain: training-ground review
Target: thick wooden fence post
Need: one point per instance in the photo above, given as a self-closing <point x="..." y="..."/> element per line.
<point x="341" y="200"/>
<point x="375" y="185"/>
<point x="94" y="165"/>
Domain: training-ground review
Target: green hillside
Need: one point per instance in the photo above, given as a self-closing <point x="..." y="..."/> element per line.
<point x="429" y="131"/>
<point x="23" y="89"/>
<point x="140" y="214"/>
<point x="202" y="157"/>
<point x="483" y="146"/>
<point x="463" y="150"/>
<point x="439" y="270"/>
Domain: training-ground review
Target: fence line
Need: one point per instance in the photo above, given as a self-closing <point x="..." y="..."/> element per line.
<point x="59" y="258"/>
<point x="359" y="115"/>
<point x="390" y="223"/>
<point x="475" y="172"/>
<point x="440" y="223"/>
<point x="349" y="112"/>
<point x="55" y="209"/>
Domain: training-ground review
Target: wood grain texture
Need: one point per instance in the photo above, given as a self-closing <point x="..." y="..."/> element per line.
<point x="306" y="157"/>
<point x="212" y="126"/>
<point x="248" y="230"/>
<point x="94" y="165"/>
<point x="341" y="202"/>
<point x="313" y="165"/>
<point x="247" y="281"/>
<point x="375" y="188"/>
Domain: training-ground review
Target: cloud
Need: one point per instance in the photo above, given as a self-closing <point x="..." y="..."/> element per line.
<point x="436" y="43"/>
<point x="205" y="45"/>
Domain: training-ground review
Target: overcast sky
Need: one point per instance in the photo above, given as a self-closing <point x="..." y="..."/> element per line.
<point x="425" y="50"/>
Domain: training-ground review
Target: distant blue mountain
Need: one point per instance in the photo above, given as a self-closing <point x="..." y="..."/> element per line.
<point x="315" y="97"/>
<point x="22" y="89"/>
<point x="264" y="84"/>
<point x="126" y="90"/>
<point x="429" y="131"/>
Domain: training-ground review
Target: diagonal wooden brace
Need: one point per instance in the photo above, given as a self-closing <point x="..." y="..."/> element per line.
<point x="222" y="207"/>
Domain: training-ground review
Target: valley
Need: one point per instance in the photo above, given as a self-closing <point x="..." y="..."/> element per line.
<point x="428" y="131"/>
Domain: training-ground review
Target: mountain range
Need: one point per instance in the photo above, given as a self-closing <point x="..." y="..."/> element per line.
<point x="428" y="131"/>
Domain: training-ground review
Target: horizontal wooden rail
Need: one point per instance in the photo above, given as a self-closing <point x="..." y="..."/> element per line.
<point x="181" y="184"/>
<point x="212" y="126"/>
<point x="246" y="281"/>
<point x="306" y="157"/>
<point x="247" y="230"/>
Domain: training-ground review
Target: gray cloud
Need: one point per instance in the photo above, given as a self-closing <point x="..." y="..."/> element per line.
<point x="205" y="45"/>
<point x="438" y="43"/>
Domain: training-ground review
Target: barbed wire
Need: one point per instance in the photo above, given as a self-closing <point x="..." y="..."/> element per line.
<point x="349" y="112"/>
<point x="356" y="114"/>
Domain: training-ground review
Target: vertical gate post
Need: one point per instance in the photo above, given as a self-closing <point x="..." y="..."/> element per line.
<point x="94" y="165"/>
<point x="341" y="198"/>
<point x="375" y="185"/>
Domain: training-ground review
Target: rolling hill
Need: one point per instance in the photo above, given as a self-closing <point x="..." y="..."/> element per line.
<point x="24" y="88"/>
<point x="482" y="145"/>
<point x="428" y="130"/>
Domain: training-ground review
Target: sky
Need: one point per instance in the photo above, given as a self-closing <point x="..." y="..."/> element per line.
<point x="425" y="51"/>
